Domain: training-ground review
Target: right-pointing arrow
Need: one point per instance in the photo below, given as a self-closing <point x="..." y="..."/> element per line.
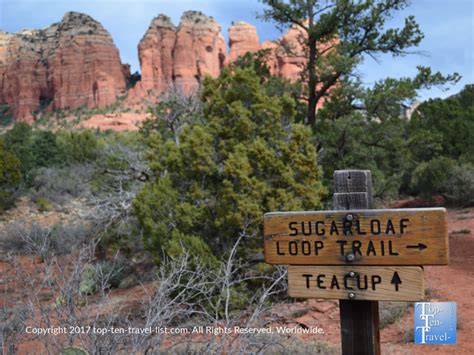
<point x="396" y="280"/>
<point x="419" y="246"/>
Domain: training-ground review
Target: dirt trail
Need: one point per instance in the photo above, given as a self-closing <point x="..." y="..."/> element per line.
<point x="453" y="283"/>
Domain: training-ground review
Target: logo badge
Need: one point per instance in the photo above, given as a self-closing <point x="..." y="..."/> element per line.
<point x="435" y="323"/>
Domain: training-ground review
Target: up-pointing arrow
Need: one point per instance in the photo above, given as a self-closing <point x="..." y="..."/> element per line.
<point x="396" y="280"/>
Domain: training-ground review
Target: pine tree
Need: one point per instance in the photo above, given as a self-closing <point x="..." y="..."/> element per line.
<point x="338" y="34"/>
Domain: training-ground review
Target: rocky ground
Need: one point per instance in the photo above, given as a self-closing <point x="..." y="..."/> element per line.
<point x="443" y="283"/>
<point x="121" y="121"/>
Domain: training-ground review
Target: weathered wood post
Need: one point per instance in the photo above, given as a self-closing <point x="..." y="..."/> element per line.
<point x="359" y="319"/>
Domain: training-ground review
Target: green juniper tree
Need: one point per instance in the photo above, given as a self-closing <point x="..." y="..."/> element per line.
<point x="245" y="156"/>
<point x="10" y="176"/>
<point x="450" y="122"/>
<point x="363" y="128"/>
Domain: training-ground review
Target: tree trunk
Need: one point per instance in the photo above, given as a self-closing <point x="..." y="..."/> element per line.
<point x="312" y="79"/>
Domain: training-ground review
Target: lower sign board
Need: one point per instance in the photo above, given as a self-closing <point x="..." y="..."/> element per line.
<point x="361" y="237"/>
<point x="402" y="283"/>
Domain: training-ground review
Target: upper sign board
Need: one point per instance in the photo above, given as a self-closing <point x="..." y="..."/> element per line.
<point x="357" y="237"/>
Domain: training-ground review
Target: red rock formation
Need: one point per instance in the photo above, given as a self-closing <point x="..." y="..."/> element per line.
<point x="22" y="82"/>
<point x="243" y="38"/>
<point x="75" y="63"/>
<point x="178" y="57"/>
<point x="287" y="57"/>
<point x="199" y="50"/>
<point x="67" y="65"/>
<point x="155" y="52"/>
<point x="182" y="56"/>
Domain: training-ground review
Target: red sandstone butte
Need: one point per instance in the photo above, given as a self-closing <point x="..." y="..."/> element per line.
<point x="75" y="62"/>
<point x="178" y="57"/>
<point x="67" y="65"/>
<point x="155" y="52"/>
<point x="287" y="54"/>
<point x="199" y="50"/>
<point x="243" y="38"/>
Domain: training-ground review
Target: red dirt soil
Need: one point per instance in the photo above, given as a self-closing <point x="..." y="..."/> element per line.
<point x="454" y="283"/>
<point x="120" y="122"/>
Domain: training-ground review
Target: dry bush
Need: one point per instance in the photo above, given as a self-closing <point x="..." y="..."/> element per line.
<point x="37" y="240"/>
<point x="391" y="312"/>
<point x="186" y="294"/>
<point x="59" y="185"/>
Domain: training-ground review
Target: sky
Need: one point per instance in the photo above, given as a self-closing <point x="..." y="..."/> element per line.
<point x="448" y="26"/>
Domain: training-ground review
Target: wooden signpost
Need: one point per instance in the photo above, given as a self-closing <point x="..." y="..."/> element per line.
<point x="373" y="237"/>
<point x="332" y="254"/>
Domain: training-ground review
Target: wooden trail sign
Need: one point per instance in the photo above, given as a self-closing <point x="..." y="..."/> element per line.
<point x="402" y="283"/>
<point x="357" y="237"/>
<point x="326" y="251"/>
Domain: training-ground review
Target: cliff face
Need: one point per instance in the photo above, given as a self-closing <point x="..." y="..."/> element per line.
<point x="179" y="56"/>
<point x="75" y="62"/>
<point x="66" y="65"/>
<point x="155" y="51"/>
<point x="287" y="57"/>
<point x="243" y="38"/>
<point x="199" y="50"/>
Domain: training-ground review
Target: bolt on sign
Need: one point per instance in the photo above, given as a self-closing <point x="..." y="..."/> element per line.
<point x="357" y="237"/>
<point x="403" y="283"/>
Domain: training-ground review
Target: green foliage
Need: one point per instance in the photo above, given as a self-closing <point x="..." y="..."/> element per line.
<point x="351" y="28"/>
<point x="440" y="133"/>
<point x="73" y="350"/>
<point x="452" y="122"/>
<point x="88" y="284"/>
<point x="80" y="147"/>
<point x="19" y="140"/>
<point x="6" y="116"/>
<point x="179" y="243"/>
<point x="431" y="176"/>
<point x="460" y="185"/>
<point x="43" y="204"/>
<point x="220" y="176"/>
<point x="354" y="142"/>
<point x="256" y="61"/>
<point x="10" y="176"/>
<point x="51" y="164"/>
<point x="104" y="275"/>
<point x="272" y="85"/>
<point x="379" y="138"/>
<point x="45" y="149"/>
<point x="360" y="127"/>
